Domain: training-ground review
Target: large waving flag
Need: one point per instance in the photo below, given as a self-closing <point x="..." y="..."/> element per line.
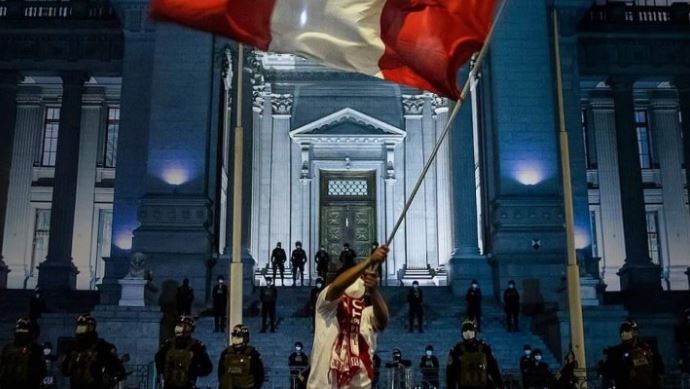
<point x="421" y="43"/>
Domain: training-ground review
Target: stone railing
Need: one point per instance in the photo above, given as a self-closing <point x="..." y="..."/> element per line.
<point x="620" y="13"/>
<point x="73" y="10"/>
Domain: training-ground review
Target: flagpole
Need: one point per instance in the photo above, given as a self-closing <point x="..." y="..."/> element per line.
<point x="463" y="94"/>
<point x="577" y="333"/>
<point x="236" y="269"/>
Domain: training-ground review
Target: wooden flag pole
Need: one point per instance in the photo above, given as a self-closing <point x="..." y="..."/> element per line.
<point x="577" y="333"/>
<point x="449" y="123"/>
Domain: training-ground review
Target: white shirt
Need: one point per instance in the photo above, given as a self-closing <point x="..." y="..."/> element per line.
<point x="325" y="334"/>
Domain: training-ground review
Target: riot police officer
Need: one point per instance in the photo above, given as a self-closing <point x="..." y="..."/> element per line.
<point x="92" y="363"/>
<point x="429" y="366"/>
<point x="471" y="364"/>
<point x="240" y="365"/>
<point x="415" y="300"/>
<point x="473" y="299"/>
<point x="511" y="305"/>
<point x="399" y="372"/>
<point x="314" y="296"/>
<point x="323" y="259"/>
<point x="21" y="362"/>
<point x="268" y="295"/>
<point x="347" y="258"/>
<point x="633" y="363"/>
<point x="182" y="359"/>
<point x="526" y="365"/>
<point x="297" y="261"/>
<point x="278" y="258"/>
<point x="298" y="362"/>
<point x="540" y="375"/>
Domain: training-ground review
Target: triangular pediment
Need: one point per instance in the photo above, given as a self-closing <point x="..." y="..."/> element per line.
<point x="348" y="123"/>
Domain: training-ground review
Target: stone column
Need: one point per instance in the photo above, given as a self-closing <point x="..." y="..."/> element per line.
<point x="683" y="86"/>
<point x="465" y="263"/>
<point x="612" y="247"/>
<point x="428" y="198"/>
<point x="413" y="106"/>
<point x="445" y="243"/>
<point x="8" y="113"/>
<point x="638" y="275"/>
<point x="58" y="271"/>
<point x="665" y="127"/>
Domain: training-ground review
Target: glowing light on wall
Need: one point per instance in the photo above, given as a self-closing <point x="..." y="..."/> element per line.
<point x="303" y="18"/>
<point x="175" y="175"/>
<point x="582" y="239"/>
<point x="529" y="174"/>
<point x="124" y="240"/>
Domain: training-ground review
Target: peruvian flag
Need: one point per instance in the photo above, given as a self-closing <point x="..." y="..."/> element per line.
<point x="421" y="43"/>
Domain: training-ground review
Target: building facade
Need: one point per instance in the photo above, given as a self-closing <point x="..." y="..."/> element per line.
<point x="117" y="138"/>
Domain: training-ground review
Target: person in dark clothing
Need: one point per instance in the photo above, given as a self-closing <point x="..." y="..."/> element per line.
<point x="297" y="261"/>
<point x="511" y="304"/>
<point x="278" y="258"/>
<point x="565" y="378"/>
<point x="429" y="367"/>
<point x="312" y="300"/>
<point x="49" y="359"/>
<point x="415" y="299"/>
<point x="398" y="370"/>
<point x="683" y="342"/>
<point x="268" y="295"/>
<point x="185" y="298"/>
<point x="21" y="362"/>
<point x="473" y="298"/>
<point x="180" y="361"/>
<point x="632" y="363"/>
<point x="376" y="361"/>
<point x="92" y="363"/>
<point x="347" y="258"/>
<point x="541" y="377"/>
<point x="37" y="306"/>
<point x="471" y="364"/>
<point x="240" y="365"/>
<point x="323" y="259"/>
<point x="220" y="304"/>
<point x="298" y="363"/>
<point x="525" y="365"/>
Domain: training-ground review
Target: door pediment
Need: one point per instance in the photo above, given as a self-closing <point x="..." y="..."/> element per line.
<point x="348" y="126"/>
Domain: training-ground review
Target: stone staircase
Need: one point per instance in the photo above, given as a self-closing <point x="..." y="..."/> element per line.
<point x="443" y="313"/>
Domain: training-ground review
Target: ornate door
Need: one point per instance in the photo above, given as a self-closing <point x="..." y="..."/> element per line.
<point x="348" y="211"/>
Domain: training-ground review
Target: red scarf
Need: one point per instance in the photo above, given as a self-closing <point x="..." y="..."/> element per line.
<point x="350" y="349"/>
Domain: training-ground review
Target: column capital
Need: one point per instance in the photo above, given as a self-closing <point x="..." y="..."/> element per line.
<point x="413" y="105"/>
<point x="663" y="100"/>
<point x="281" y="104"/>
<point x="600" y="99"/>
<point x="227" y="70"/>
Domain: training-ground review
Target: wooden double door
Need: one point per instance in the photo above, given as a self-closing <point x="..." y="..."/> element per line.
<point x="348" y="212"/>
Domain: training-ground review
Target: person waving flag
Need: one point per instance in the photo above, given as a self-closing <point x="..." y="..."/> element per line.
<point x="419" y="43"/>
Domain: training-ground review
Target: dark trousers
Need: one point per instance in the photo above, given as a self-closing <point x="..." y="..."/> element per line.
<point x="219" y="319"/>
<point x="322" y="271"/>
<point x="431" y="382"/>
<point x="295" y="270"/>
<point x="281" y="267"/>
<point x="475" y="313"/>
<point x="268" y="310"/>
<point x="416" y="312"/>
<point x="512" y="319"/>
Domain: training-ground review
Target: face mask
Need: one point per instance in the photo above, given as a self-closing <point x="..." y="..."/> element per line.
<point x="298" y="349"/>
<point x="319" y="285"/>
<point x="356" y="290"/>
<point x="179" y="330"/>
<point x="528" y="352"/>
<point x="511" y="286"/>
<point x="428" y="353"/>
<point x="468" y="335"/>
<point x="47" y="351"/>
<point x="269" y="283"/>
<point x="537" y="357"/>
<point x="81" y="329"/>
<point x="626" y="335"/>
<point x="221" y="282"/>
<point x="237" y="340"/>
<point x="415" y="286"/>
<point x="474" y="286"/>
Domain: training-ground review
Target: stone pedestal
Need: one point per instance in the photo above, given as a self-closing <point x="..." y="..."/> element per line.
<point x="132" y="292"/>
<point x="590" y="291"/>
<point x="641" y="281"/>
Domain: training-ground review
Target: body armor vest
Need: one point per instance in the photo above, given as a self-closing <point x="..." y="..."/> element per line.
<point x="82" y="366"/>
<point x="178" y="364"/>
<point x="237" y="371"/>
<point x="642" y="367"/>
<point x="15" y="365"/>
<point x="473" y="367"/>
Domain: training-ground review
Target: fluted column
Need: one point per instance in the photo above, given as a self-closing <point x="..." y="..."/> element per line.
<point x="683" y="85"/>
<point x="638" y="275"/>
<point x="414" y="161"/>
<point x="445" y="243"/>
<point x="666" y="135"/>
<point x="58" y="271"/>
<point x="612" y="247"/>
<point x="8" y="113"/>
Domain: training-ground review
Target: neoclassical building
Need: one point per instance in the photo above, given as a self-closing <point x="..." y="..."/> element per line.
<point x="116" y="137"/>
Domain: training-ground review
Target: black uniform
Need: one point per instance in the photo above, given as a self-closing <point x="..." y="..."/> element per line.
<point x="566" y="376"/>
<point x="268" y="296"/>
<point x="93" y="364"/>
<point x="240" y="368"/>
<point x="473" y="298"/>
<point x="398" y="369"/>
<point x="185" y="298"/>
<point x="415" y="299"/>
<point x="278" y="258"/>
<point x="511" y="302"/>
<point x="347" y="259"/>
<point x="297" y="260"/>
<point x="526" y="362"/>
<point x="21" y="365"/>
<point x="181" y="361"/>
<point x="220" y="306"/>
<point x="471" y="365"/>
<point x="429" y="367"/>
<point x="633" y="364"/>
<point x="540" y="376"/>
<point x="298" y="362"/>
<point x="322" y="260"/>
<point x="37" y="305"/>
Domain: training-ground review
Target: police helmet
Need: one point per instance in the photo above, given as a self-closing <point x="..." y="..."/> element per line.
<point x="186" y="321"/>
<point x="22" y="326"/>
<point x="298" y="244"/>
<point x="628" y="325"/>
<point x="86" y="320"/>
<point x="298" y="344"/>
<point x="469" y="325"/>
<point x="242" y="331"/>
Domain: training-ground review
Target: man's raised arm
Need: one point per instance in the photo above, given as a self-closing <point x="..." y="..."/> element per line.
<point x="346" y="278"/>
